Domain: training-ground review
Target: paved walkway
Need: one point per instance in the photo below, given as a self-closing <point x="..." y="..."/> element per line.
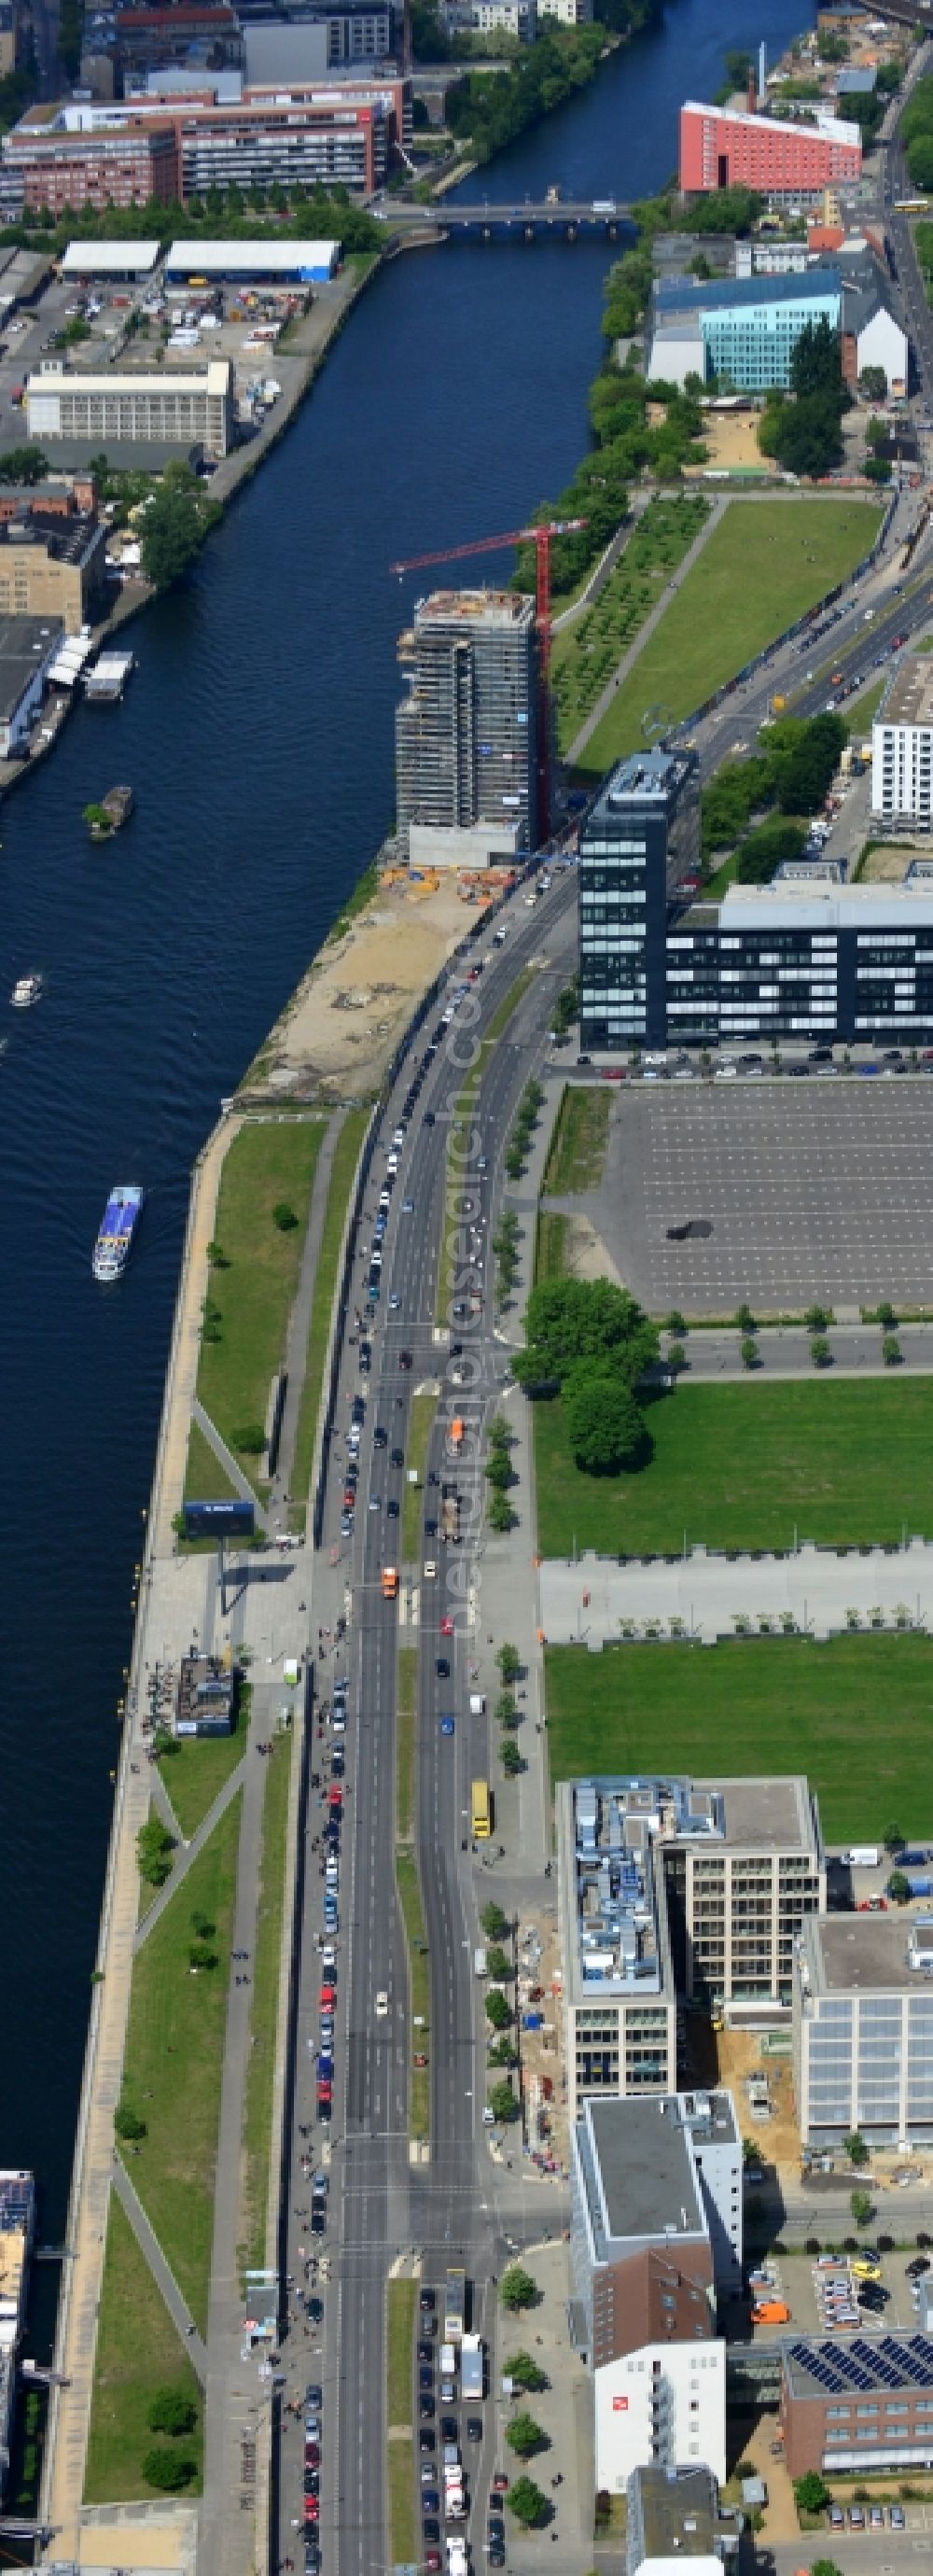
<point x="595" y="1602"/>
<point x="190" y="1850"/>
<point x="149" y="2245"/>
<point x="227" y="1460"/>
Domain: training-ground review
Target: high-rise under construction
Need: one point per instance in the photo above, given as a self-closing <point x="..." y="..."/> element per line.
<point x="466" y="735"/>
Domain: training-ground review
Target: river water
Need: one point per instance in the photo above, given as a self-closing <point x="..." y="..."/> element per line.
<point x="257" y="733"/>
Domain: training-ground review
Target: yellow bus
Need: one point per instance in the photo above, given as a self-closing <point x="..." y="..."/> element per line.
<point x="481" y="1810"/>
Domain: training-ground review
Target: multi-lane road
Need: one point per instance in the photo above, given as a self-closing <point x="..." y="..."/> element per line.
<point x="381" y="2204"/>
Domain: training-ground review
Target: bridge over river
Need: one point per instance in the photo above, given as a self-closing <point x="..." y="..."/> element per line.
<point x="557" y="219"/>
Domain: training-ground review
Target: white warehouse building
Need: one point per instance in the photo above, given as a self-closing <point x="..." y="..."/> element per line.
<point x="111" y="408"/>
<point x="902" y="746"/>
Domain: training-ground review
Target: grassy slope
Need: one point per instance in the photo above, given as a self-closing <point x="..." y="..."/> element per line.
<point x="765" y="563"/>
<point x="260" y="2071"/>
<point x="138" y="2352"/>
<point x="578" y="1145"/>
<point x="206" y="1481"/>
<point x="177" y="2016"/>
<point x="346" y="1157"/>
<point x="741" y="1466"/>
<point x="856" y="1715"/>
<point x="255" y="1293"/>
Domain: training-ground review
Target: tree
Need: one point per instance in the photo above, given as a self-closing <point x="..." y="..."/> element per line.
<point x="817" y="1319"/>
<point x="154" y="1848"/>
<point x="507" y="1709"/>
<point x="744" y="1318"/>
<point x="175" y="526"/>
<point x="892" y="1838"/>
<point x="503" y="2103"/>
<point x="899" y="1887"/>
<point x="604" y="1420"/>
<point x="820" y="1352"/>
<point x="527" y="2503"/>
<point x="811" y="2493"/>
<point x="284" y="1216"/>
<point x="200" y="1956"/>
<point x="815" y="366"/>
<point x="861" y="2206"/>
<point x="499" y="1471"/>
<point x="250" y="1439"/>
<point x="171" y="2412"/>
<point x="512" y="1760"/>
<point x="675" y="1322"/>
<point x="676" y="1358"/>
<point x="517" y="2289"/>
<point x="891" y="1351"/>
<point x="571" y="1320"/>
<point x="856" y="2149"/>
<point x="126" y="2123"/>
<point x="495" y="1924"/>
<point x="217" y="1256"/>
<point x="502" y="2053"/>
<point x="23" y="465"/>
<point x="508" y="1658"/>
<point x="524" y="2436"/>
<point x="526" y="2372"/>
<point x="168" y="2470"/>
<point x="825" y="2567"/>
<point x="498" y="1964"/>
<point x="499" y="1512"/>
<point x="497" y="2010"/>
<point x="748" y="1351"/>
<point x="202" y="1925"/>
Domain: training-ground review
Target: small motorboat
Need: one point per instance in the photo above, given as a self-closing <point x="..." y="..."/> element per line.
<point x="26" y="992"/>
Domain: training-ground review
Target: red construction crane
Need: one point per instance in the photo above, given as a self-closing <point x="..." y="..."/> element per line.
<point x="540" y="539"/>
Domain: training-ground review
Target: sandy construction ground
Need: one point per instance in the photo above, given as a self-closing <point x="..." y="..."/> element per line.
<point x="338" y="1031"/>
<point x="731" y="439"/>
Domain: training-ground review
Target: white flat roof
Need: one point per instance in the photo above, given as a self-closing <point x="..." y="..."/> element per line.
<point x="109" y="258"/>
<point x="248" y="259"/>
<point x="831" y="129"/>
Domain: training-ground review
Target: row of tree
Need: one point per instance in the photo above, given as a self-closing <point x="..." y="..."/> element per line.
<point x="257" y="214"/>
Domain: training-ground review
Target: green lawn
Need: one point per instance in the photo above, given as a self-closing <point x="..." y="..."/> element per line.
<point x="743" y="1466"/>
<point x="260" y="2070"/>
<point x="406" y="1741"/>
<point x="408" y="1884"/>
<point x="578" y="1144"/>
<point x="195" y="1772"/>
<point x="183" y="2017"/>
<point x="763" y="565"/>
<point x="254" y="1293"/>
<point x="206" y="1481"/>
<point x="343" y="1167"/>
<point x="421" y="1415"/>
<point x="138" y="2352"/>
<point x="551" y="1237"/>
<point x="855" y="1715"/>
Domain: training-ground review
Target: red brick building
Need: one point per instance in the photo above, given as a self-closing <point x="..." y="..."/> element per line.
<point x="723" y="147"/>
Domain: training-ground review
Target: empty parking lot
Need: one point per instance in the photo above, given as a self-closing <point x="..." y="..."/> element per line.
<point x="809" y="1191"/>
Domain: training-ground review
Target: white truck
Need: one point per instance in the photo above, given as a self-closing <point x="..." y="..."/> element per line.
<point x="471" y="2367"/>
<point x="862" y="1856"/>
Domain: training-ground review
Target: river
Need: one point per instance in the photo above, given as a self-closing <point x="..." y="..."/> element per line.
<point x="257" y="733"/>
